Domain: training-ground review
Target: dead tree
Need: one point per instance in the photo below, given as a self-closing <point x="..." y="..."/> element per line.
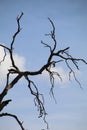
<point x="61" y="56"/>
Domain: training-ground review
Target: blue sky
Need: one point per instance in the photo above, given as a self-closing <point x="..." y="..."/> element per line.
<point x="70" y="19"/>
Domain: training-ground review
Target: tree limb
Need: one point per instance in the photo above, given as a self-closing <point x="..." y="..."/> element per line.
<point x="15" y="117"/>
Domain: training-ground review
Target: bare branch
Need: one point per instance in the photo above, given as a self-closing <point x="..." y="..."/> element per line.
<point x="5" y="47"/>
<point x="3" y="104"/>
<point x="3" y="56"/>
<point x="38" y="100"/>
<point x="46" y="45"/>
<point x="52" y="78"/>
<point x="15" y="117"/>
<point x="18" y="29"/>
<point x="9" y="86"/>
<point x="72" y="72"/>
<point x="13" y="40"/>
<point x="53" y="34"/>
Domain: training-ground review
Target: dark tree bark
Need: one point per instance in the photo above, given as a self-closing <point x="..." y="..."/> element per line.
<point x="61" y="56"/>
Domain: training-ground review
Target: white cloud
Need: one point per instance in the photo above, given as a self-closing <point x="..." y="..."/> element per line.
<point x="63" y="74"/>
<point x="4" y="66"/>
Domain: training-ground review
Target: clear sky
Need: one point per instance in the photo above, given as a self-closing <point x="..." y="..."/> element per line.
<point x="70" y="19"/>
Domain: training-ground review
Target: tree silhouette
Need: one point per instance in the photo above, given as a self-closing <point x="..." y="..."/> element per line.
<point x="61" y="56"/>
